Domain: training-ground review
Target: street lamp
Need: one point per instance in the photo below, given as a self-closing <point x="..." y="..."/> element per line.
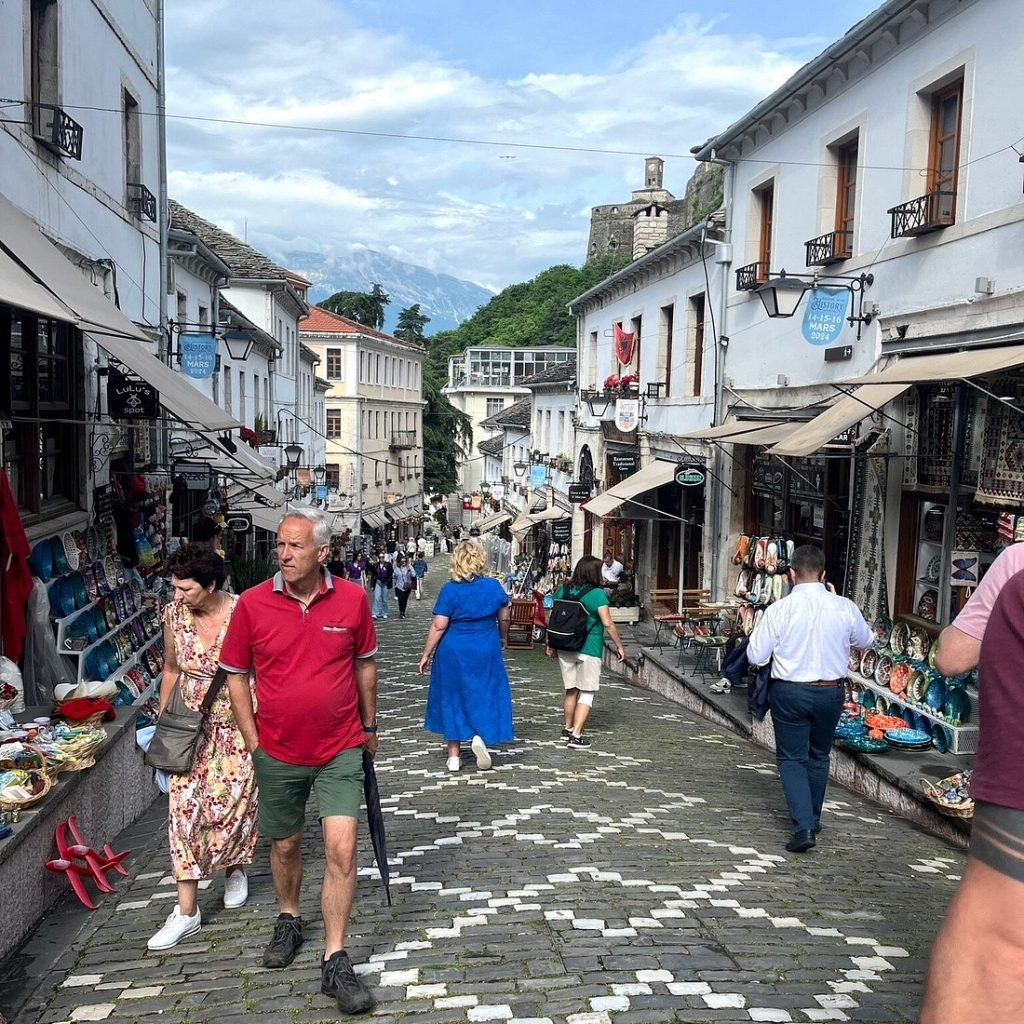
<point x="782" y="294"/>
<point x="239" y="344"/>
<point x="520" y="468"/>
<point x="597" y="402"/>
<point x="292" y="454"/>
<point x="320" y="474"/>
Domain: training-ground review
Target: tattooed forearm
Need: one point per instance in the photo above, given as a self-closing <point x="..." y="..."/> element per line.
<point x="997" y="839"/>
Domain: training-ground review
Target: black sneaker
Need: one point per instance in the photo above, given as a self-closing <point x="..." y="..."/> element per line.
<point x="339" y="980"/>
<point x="577" y="742"/>
<point x="566" y="733"/>
<point x="285" y="941"/>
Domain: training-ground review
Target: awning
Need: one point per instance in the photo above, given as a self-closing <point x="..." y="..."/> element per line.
<point x="524" y="523"/>
<point x="746" y="432"/>
<point x="396" y="515"/>
<point x="924" y="369"/>
<point x="264" y="518"/>
<point x="177" y="396"/>
<point x="492" y="521"/>
<point x="21" y="240"/>
<point x="375" y="520"/>
<point x="256" y="496"/>
<point x="244" y="465"/>
<point x="17" y="288"/>
<point x="656" y="474"/>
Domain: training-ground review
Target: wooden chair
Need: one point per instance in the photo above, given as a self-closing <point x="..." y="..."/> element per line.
<point x="670" y="606"/>
<point x="520" y="625"/>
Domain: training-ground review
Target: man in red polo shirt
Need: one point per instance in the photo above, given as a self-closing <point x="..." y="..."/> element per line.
<point x="310" y="639"/>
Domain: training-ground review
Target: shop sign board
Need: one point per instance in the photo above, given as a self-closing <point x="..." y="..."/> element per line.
<point x="198" y="355"/>
<point x="321" y="492"/>
<point x="197" y="475"/>
<point x="239" y="522"/>
<point x="807" y="479"/>
<point x="561" y="531"/>
<point x="578" y="493"/>
<point x="130" y="397"/>
<point x="538" y="475"/>
<point x="839" y="354"/>
<point x="825" y="315"/>
<point x="767" y="478"/>
<point x="624" y="463"/>
<point x="689" y="475"/>
<point x="627" y="414"/>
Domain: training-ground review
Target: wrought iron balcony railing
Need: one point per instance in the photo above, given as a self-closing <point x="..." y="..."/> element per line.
<point x="141" y="201"/>
<point x="60" y="133"/>
<point x="930" y="212"/>
<point x="403" y="439"/>
<point x="834" y="247"/>
<point x="750" y="276"/>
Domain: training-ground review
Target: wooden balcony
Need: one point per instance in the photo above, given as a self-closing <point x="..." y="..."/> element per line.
<point x="834" y="247"/>
<point x="749" y="277"/>
<point x="401" y="439"/>
<point x="930" y="212"/>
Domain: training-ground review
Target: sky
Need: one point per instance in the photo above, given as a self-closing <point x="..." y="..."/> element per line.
<point x="555" y="104"/>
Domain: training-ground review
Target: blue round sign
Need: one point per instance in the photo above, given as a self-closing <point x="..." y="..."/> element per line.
<point x="198" y="355"/>
<point x="825" y="315"/>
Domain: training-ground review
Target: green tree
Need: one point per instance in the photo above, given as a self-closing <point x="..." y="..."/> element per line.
<point x="366" y="308"/>
<point x="410" y="325"/>
<point x="447" y="435"/>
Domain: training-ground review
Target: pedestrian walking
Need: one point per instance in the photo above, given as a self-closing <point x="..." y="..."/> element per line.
<point x="975" y="969"/>
<point x="311" y="643"/>
<point x="581" y="668"/>
<point x="383" y="575"/>
<point x="410" y="548"/>
<point x="421" y="546"/>
<point x="211" y="818"/>
<point x="356" y="568"/>
<point x="469" y="697"/>
<point x="336" y="564"/>
<point x="419" y="568"/>
<point x="404" y="583"/>
<point x="808" y="636"/>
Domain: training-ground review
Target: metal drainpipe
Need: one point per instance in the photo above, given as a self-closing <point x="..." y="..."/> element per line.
<point x="163" y="347"/>
<point x="718" y="459"/>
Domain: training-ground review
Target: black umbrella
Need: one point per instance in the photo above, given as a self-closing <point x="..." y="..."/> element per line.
<point x="375" y="821"/>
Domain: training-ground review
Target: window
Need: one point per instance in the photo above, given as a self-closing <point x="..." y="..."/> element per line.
<point x="387" y="368"/>
<point x="132" y="140"/>
<point x="334" y="424"/>
<point x="41" y="452"/>
<point x="266" y="397"/>
<point x="204" y="316"/>
<point x="255" y="396"/>
<point x="592" y="359"/>
<point x="495" y="405"/>
<point x="666" y="328"/>
<point x="333" y="479"/>
<point x="846" y="196"/>
<point x="334" y="364"/>
<point x="362" y="367"/>
<point x="635" y="327"/>
<point x="241" y="395"/>
<point x="376" y="369"/>
<point x="765" y="197"/>
<point x="944" y="149"/>
<point x="697" y="327"/>
<point x="45" y="83"/>
<point x="227" y="389"/>
<point x="182" y="303"/>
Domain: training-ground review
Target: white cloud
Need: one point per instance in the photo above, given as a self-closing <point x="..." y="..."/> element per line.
<point x="492" y="214"/>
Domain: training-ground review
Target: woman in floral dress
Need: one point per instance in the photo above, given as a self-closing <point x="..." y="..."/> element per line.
<point x="211" y="823"/>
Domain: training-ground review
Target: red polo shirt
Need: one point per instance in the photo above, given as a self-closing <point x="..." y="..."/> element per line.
<point x="304" y="658"/>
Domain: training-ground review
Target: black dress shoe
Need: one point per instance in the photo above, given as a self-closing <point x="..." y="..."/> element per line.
<point x="817" y="828"/>
<point x="801" y="842"/>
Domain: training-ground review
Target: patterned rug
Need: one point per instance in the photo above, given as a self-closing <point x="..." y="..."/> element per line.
<point x="1001" y="477"/>
<point x="866" y="582"/>
<point x="911" y="432"/>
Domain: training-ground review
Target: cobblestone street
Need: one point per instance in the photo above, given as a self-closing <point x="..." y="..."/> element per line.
<point x="642" y="880"/>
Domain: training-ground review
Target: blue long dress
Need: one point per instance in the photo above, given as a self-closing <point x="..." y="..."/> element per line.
<point x="469" y="691"/>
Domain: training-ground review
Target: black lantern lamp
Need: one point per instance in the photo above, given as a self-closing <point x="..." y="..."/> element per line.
<point x="320" y="474"/>
<point x="292" y="454"/>
<point x="782" y="295"/>
<point x="238" y="343"/>
<point x="520" y="468"/>
<point x="597" y="402"/>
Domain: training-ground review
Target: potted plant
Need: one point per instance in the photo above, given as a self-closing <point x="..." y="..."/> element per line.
<point x="263" y="435"/>
<point x="624" y="606"/>
<point x="619" y="386"/>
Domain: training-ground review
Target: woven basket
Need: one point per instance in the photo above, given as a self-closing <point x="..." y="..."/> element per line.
<point x="93" y="721"/>
<point x="933" y="794"/>
<point x="16" y="805"/>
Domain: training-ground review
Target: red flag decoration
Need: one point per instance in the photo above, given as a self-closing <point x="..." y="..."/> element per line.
<point x="624" y="345"/>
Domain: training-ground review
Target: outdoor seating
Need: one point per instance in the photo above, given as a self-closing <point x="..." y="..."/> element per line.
<point x="670" y="606"/>
<point x="520" y="625"/>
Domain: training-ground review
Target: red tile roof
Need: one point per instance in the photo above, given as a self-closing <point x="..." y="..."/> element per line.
<point x="322" y="321"/>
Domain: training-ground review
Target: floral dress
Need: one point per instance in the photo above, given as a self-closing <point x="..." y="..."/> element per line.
<point x="212" y="818"/>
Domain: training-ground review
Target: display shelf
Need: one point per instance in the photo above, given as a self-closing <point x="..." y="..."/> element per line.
<point x="63" y="623"/>
<point x="965" y="737"/>
<point x="106" y="636"/>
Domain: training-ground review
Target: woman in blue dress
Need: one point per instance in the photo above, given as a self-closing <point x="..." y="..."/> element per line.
<point x="469" y="696"/>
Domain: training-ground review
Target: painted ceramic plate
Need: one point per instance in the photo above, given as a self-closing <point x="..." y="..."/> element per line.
<point x="916" y="686"/>
<point x="958" y="706"/>
<point x="908" y="737"/>
<point x="846" y="730"/>
<point x="932" y="569"/>
<point x="854" y="663"/>
<point x="898" y="677"/>
<point x="942" y="739"/>
<point x="927" y="605"/>
<point x="60" y="558"/>
<point x="882" y="629"/>
<point x="919" y="646"/>
<point x="909" y="718"/>
<point x="93" y="543"/>
<point x="932" y="652"/>
<point x="899" y="638"/>
<point x="868" y="661"/>
<point x="41" y="560"/>
<point x="866" y="744"/>
<point x="883" y="670"/>
<point x="935" y="695"/>
<point x="867" y="699"/>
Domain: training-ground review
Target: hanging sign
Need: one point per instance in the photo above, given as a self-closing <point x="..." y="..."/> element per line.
<point x="561" y="531"/>
<point x="627" y="414"/>
<point x="198" y="355"/>
<point x="825" y="315"/>
<point x="624" y="463"/>
<point x="624" y="344"/>
<point x="130" y="397"/>
<point x="196" y="475"/>
<point x="239" y="522"/>
<point x="578" y="493"/>
<point x="688" y="475"/>
<point x="321" y="492"/>
<point x="538" y="475"/>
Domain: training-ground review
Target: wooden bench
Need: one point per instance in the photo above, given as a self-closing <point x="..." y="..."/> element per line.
<point x="670" y="606"/>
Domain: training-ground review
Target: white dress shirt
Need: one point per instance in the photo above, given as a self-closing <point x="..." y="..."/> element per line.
<point x="611" y="573"/>
<point x="809" y="634"/>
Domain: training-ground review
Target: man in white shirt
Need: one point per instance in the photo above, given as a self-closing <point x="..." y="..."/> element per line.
<point x="809" y="634"/>
<point x="611" y="572"/>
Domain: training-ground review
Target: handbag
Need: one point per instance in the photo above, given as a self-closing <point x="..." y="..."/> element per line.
<point x="173" y="746"/>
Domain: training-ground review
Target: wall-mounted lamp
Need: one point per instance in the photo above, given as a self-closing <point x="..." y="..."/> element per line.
<point x="320" y="474"/>
<point x="782" y="293"/>
<point x="238" y="343"/>
<point x="520" y="468"/>
<point x="292" y="454"/>
<point x="597" y="402"/>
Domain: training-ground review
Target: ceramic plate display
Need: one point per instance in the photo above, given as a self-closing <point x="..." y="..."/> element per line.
<point x="919" y="645"/>
<point x="958" y="706"/>
<point x="909" y="718"/>
<point x="866" y="745"/>
<point x="916" y="686"/>
<point x="854" y="663"/>
<point x="845" y="730"/>
<point x="882" y="629"/>
<point x="942" y="739"/>
<point x="883" y="722"/>
<point x="935" y="695"/>
<point x="932" y="569"/>
<point x="927" y="605"/>
<point x="899" y="638"/>
<point x="898" y="677"/>
<point x="883" y="670"/>
<point x="868" y="661"/>
<point x="908" y="737"/>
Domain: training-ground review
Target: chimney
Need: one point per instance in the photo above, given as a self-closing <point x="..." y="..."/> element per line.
<point x="650" y="229"/>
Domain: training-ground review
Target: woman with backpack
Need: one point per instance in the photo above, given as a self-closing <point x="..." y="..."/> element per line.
<point x="576" y="627"/>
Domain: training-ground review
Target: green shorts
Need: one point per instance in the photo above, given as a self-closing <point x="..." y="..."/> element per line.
<point x="284" y="789"/>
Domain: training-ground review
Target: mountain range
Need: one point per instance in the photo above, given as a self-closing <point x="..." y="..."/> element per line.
<point x="447" y="300"/>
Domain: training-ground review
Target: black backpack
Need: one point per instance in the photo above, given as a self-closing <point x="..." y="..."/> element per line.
<point x="569" y="622"/>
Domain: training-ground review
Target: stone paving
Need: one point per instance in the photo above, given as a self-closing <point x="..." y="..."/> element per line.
<point x="643" y="880"/>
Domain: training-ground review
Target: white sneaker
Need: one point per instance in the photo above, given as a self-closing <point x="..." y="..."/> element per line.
<point x="722" y="686"/>
<point x="176" y="928"/>
<point x="454" y="764"/>
<point x="483" y="758"/>
<point x="236" y="889"/>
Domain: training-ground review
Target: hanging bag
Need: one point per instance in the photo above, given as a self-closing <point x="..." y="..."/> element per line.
<point x="569" y="623"/>
<point x="173" y="746"/>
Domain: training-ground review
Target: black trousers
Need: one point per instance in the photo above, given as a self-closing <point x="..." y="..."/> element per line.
<point x="403" y="599"/>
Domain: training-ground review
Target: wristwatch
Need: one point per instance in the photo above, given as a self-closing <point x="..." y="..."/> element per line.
<point x="370" y="728"/>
